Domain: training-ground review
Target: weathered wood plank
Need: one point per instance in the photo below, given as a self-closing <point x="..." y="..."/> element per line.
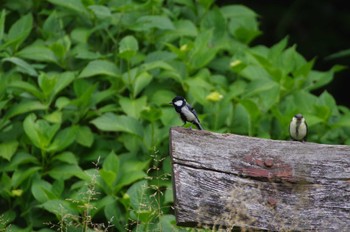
<point x="230" y="180"/>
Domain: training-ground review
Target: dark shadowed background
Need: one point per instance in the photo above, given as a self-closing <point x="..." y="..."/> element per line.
<point x="319" y="28"/>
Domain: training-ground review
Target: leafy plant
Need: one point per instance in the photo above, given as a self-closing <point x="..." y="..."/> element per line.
<point x="91" y="80"/>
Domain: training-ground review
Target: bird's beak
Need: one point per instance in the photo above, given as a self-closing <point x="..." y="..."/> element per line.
<point x="170" y="103"/>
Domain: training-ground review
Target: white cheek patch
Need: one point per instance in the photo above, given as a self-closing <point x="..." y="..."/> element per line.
<point x="178" y="103"/>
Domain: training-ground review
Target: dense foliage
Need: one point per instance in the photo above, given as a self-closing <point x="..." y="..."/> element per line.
<point x="84" y="94"/>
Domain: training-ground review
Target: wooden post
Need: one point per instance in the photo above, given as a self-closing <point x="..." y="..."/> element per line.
<point x="229" y="181"/>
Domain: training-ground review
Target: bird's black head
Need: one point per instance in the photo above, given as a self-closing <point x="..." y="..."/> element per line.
<point x="298" y="116"/>
<point x="178" y="101"/>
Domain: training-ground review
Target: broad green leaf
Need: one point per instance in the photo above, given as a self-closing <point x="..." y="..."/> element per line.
<point x="28" y="87"/>
<point x="54" y="117"/>
<point x="255" y="72"/>
<point x="85" y="136"/>
<point x="63" y="139"/>
<point x="145" y="23"/>
<point x="215" y="20"/>
<point x="131" y="170"/>
<point x="65" y="172"/>
<point x="139" y="194"/>
<point x="60" y="208"/>
<point x="128" y="47"/>
<point x="185" y="28"/>
<point x="242" y="22"/>
<point x="53" y="25"/>
<point x="108" y="177"/>
<point x="37" y="52"/>
<point x="101" y="12"/>
<point x="130" y="178"/>
<point x="22" y="158"/>
<point x="22" y="65"/>
<point x="168" y="222"/>
<point x="162" y="97"/>
<point x="110" y="169"/>
<point x="20" y="30"/>
<point x="133" y="107"/>
<point x="100" y="67"/>
<point x="53" y="83"/>
<point x="141" y="81"/>
<point x="111" y="163"/>
<point x="74" y="5"/>
<point x="241" y="120"/>
<point x="24" y="107"/>
<point x="114" y="212"/>
<point x="8" y="149"/>
<point x="67" y="157"/>
<point x="203" y="51"/>
<point x="41" y="189"/>
<point x="317" y="79"/>
<point x="21" y="175"/>
<point x="40" y="132"/>
<point x="112" y="122"/>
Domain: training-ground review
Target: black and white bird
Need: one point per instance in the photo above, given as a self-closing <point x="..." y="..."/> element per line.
<point x="187" y="113"/>
<point x="298" y="128"/>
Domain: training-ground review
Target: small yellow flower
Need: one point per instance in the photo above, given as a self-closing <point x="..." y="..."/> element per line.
<point x="17" y="192"/>
<point x="184" y="48"/>
<point x="214" y="96"/>
<point x="235" y="63"/>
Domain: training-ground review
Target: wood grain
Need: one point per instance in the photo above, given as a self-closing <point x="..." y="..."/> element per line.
<point x="231" y="181"/>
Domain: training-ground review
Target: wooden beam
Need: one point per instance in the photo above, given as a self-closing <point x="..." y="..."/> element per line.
<point x="227" y="180"/>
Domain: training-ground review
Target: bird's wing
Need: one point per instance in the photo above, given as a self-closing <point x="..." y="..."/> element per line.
<point x="193" y="111"/>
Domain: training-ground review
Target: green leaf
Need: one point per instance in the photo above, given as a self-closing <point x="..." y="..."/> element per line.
<point x="110" y="169"/>
<point x="130" y="178"/>
<point x="54" y="117"/>
<point x="2" y="24"/>
<point x="85" y="136"/>
<point x="168" y="222"/>
<point x="142" y="80"/>
<point x="24" y="107"/>
<point x="340" y="54"/>
<point x="145" y="23"/>
<point x="20" y="30"/>
<point x="23" y="66"/>
<point x="60" y="208"/>
<point x="63" y="139"/>
<point x="53" y="83"/>
<point x="28" y="87"/>
<point x="8" y="149"/>
<point x="37" y="52"/>
<point x="101" y="12"/>
<point x="203" y="51"/>
<point x="128" y="47"/>
<point x="65" y="172"/>
<point x="242" y="22"/>
<point x="41" y="189"/>
<point x="111" y="163"/>
<point x="67" y="157"/>
<point x="131" y="170"/>
<point x="108" y="177"/>
<point x="40" y="132"/>
<point x="139" y="195"/>
<point x="100" y="67"/>
<point x="112" y="122"/>
<point x="133" y="107"/>
<point x="21" y="175"/>
<point x="185" y="28"/>
<point x="74" y="5"/>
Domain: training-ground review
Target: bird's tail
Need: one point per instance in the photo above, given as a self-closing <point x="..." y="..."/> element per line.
<point x="198" y="125"/>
